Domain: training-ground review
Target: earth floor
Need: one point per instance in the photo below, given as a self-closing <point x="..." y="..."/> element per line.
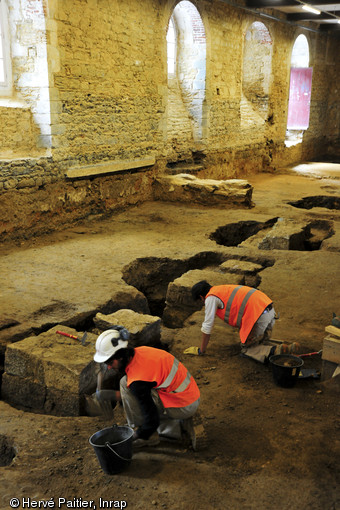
<point x="267" y="446"/>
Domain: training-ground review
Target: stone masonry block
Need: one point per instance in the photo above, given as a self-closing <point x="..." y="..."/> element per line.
<point x="27" y="393"/>
<point x="23" y="391"/>
<point x="20" y="362"/>
<point x="179" y="291"/>
<point x="144" y="329"/>
<point x="130" y="298"/>
<point x="51" y="359"/>
<point x="50" y="372"/>
<point x="179" y="303"/>
<point x="63" y="403"/>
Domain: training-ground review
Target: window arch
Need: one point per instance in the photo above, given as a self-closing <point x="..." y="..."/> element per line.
<point x="300" y="52"/>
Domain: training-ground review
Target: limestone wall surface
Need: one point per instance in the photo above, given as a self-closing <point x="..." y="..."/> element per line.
<point x="93" y="75"/>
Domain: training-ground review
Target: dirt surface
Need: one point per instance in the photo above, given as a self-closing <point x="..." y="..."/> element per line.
<point x="267" y="446"/>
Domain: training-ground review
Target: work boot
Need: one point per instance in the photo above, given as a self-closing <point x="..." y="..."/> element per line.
<point x="193" y="433"/>
<point x="295" y="348"/>
<point x="152" y="441"/>
<point x="188" y="431"/>
<point x="281" y="349"/>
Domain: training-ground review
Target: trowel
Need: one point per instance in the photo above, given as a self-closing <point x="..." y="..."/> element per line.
<point x="82" y="339"/>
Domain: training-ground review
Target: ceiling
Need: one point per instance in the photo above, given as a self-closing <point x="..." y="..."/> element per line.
<point x="328" y="20"/>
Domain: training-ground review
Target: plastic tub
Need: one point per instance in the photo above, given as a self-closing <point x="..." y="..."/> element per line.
<point x="286" y="369"/>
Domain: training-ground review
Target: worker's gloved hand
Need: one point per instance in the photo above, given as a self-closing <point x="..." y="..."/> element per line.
<point x="106" y="396"/>
<point x="106" y="401"/>
<point x="193" y="350"/>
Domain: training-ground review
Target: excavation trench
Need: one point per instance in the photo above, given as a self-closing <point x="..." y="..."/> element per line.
<point x="151" y="278"/>
<point x="234" y="234"/>
<point x="274" y="234"/>
<point x="312" y="236"/>
<point x="317" y="201"/>
<point x="152" y="275"/>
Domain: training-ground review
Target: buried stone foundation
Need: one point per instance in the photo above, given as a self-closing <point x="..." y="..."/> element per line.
<point x="167" y="282"/>
<point x="50" y="373"/>
<point x="179" y="302"/>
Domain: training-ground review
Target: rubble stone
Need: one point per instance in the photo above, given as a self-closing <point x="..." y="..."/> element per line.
<point x="188" y="188"/>
<point x="240" y="267"/>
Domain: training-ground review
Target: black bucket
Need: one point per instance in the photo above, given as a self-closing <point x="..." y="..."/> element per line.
<point x="113" y="447"/>
<point x="286" y="369"/>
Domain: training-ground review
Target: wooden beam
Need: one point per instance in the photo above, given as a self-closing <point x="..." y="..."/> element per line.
<point x="334" y="331"/>
<point x="331" y="349"/>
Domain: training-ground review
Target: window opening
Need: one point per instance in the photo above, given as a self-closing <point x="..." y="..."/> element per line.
<point x="171" y="47"/>
<point x="300" y="88"/>
<point x="2" y="60"/>
<point x="4" y="52"/>
<point x="256" y="75"/>
<point x="186" y="64"/>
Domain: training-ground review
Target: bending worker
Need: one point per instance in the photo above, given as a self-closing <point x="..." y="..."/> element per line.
<point x="245" y="308"/>
<point x="158" y="393"/>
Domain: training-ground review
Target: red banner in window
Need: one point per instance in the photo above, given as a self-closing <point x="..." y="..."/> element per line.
<point x="299" y="97"/>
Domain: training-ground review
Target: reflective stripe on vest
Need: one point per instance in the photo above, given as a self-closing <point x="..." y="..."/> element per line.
<point x="242" y="307"/>
<point x="229" y="303"/>
<point x="183" y="386"/>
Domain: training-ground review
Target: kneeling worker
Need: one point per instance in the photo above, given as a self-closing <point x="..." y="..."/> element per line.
<point x="158" y="393"/>
<point x="245" y="308"/>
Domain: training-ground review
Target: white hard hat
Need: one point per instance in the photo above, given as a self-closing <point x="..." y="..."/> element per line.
<point x="107" y="344"/>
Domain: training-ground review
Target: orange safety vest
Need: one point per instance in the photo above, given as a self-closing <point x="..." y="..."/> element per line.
<point x="242" y="306"/>
<point x="175" y="385"/>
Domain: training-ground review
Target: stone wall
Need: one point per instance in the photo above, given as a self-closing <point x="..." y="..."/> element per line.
<point x="41" y="200"/>
<point x="93" y="75"/>
<point x="19" y="133"/>
<point x="111" y="69"/>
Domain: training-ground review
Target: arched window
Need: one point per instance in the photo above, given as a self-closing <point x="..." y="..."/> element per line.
<point x="171" y="47"/>
<point x="300" y="88"/>
<point x="5" y="64"/>
<point x="186" y="62"/>
<point x="300" y="53"/>
<point x="256" y="74"/>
